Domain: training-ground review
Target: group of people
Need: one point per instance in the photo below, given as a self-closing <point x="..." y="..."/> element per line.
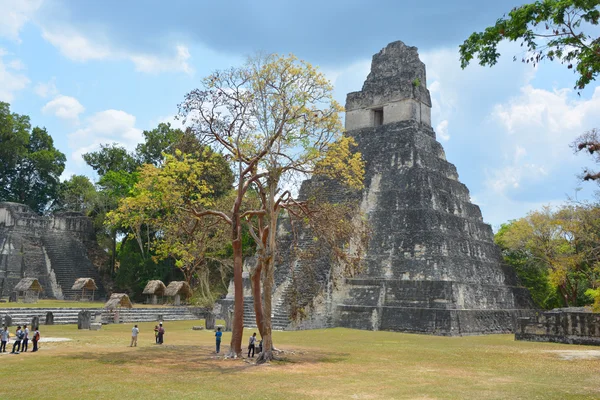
<point x="159" y="333"/>
<point x="22" y="336"/>
<point x="251" y="343"/>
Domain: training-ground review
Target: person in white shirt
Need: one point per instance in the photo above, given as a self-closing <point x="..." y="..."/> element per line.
<point x="18" y="337"/>
<point x="4" y="336"/>
<point x="134" y="335"/>
<point x="25" y="343"/>
<point x="251" y="345"/>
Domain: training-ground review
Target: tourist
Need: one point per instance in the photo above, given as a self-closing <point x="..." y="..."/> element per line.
<point x="4" y="336"/>
<point x="156" y="334"/>
<point x="218" y="335"/>
<point x="36" y="339"/>
<point x="134" y="335"/>
<point x="18" y="338"/>
<point x="251" y="344"/>
<point x="25" y="338"/>
<point x="161" y="333"/>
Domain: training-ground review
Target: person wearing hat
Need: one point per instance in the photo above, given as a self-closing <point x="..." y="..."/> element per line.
<point x="161" y="333"/>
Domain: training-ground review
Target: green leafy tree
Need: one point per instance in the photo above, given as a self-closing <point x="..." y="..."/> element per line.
<point x="561" y="30"/>
<point x="272" y="118"/>
<point x="561" y="246"/>
<point x="77" y="194"/>
<point x="30" y="165"/>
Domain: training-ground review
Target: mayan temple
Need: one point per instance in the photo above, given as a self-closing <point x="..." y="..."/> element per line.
<point x="431" y="265"/>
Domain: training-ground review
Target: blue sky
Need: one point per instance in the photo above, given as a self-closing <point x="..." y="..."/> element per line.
<point x="96" y="72"/>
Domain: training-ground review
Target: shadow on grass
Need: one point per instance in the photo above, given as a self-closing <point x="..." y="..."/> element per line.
<point x="195" y="358"/>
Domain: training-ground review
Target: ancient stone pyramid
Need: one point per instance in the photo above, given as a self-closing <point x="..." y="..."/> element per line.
<point x="432" y="265"/>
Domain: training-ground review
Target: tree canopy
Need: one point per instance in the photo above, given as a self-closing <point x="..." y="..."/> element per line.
<point x="30" y="165"/>
<point x="561" y="30"/>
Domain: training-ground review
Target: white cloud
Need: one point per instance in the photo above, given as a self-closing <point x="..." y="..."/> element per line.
<point x="14" y="14"/>
<point x="46" y="89"/>
<point x="65" y="107"/>
<point x="540" y="124"/>
<point x="154" y="64"/>
<point x="109" y="126"/>
<point x="79" y="47"/>
<point x="75" y="46"/>
<point x="442" y="130"/>
<point x="11" y="80"/>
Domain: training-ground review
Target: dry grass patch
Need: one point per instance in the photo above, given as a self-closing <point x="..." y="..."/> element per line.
<point x="326" y="364"/>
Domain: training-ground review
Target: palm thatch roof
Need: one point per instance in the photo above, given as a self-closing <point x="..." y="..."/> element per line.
<point x="84" y="283"/>
<point x="178" y="287"/>
<point x="26" y="284"/>
<point x="155" y="287"/>
<point x="118" y="300"/>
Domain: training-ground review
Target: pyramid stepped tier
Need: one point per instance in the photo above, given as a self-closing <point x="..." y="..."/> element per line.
<point x="69" y="261"/>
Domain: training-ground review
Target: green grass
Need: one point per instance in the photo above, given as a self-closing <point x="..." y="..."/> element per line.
<point x="68" y="304"/>
<point x="326" y="364"/>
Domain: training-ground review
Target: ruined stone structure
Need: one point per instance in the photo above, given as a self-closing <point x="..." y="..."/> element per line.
<point x="431" y="266"/>
<point x="575" y="325"/>
<point x="52" y="249"/>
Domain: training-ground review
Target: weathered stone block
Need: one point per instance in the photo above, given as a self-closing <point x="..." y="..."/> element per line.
<point x="95" y="326"/>
<point x="84" y="319"/>
<point x="49" y="318"/>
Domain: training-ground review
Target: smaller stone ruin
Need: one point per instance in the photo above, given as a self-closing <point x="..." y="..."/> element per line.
<point x="576" y="325"/>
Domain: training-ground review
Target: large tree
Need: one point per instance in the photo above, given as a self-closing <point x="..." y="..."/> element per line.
<point x="159" y="214"/>
<point x="30" y="165"/>
<point x="273" y="118"/>
<point x="561" y="30"/>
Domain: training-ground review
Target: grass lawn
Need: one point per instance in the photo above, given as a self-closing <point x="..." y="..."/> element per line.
<point x="326" y="364"/>
<point x="69" y="304"/>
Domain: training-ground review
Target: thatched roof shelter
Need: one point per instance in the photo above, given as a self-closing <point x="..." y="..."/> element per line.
<point x="155" y="287"/>
<point x="178" y="288"/>
<point x="85" y="283"/>
<point x="118" y="300"/>
<point x="29" y="284"/>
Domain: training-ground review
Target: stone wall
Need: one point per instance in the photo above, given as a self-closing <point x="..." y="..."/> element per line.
<point x="573" y="326"/>
<point x="53" y="249"/>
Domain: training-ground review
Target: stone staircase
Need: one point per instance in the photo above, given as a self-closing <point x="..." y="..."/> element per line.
<point x="69" y="261"/>
<point x="64" y="316"/>
<point x="279" y="318"/>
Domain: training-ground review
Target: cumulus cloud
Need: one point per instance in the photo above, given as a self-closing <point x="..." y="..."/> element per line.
<point x="47" y="89"/>
<point x="540" y="124"/>
<point x="109" y="126"/>
<point x="79" y="47"/>
<point x="11" y="80"/>
<point x="64" y="107"/>
<point x="14" y="15"/>
<point x="442" y="130"/>
<point x="76" y="46"/>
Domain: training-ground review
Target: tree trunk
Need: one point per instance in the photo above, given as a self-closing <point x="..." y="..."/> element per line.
<point x="268" y="276"/>
<point x="258" y="306"/>
<point x="235" y="349"/>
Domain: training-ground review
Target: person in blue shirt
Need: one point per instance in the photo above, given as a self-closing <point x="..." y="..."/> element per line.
<point x="218" y="335"/>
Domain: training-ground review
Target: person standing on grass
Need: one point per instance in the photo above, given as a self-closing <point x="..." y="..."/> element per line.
<point x="156" y="334"/>
<point x="25" y="339"/>
<point x="36" y="339"/>
<point x="18" y="338"/>
<point x="251" y="344"/>
<point x="4" y="335"/>
<point x="218" y="335"/>
<point x="161" y="333"/>
<point x="134" y="335"/>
